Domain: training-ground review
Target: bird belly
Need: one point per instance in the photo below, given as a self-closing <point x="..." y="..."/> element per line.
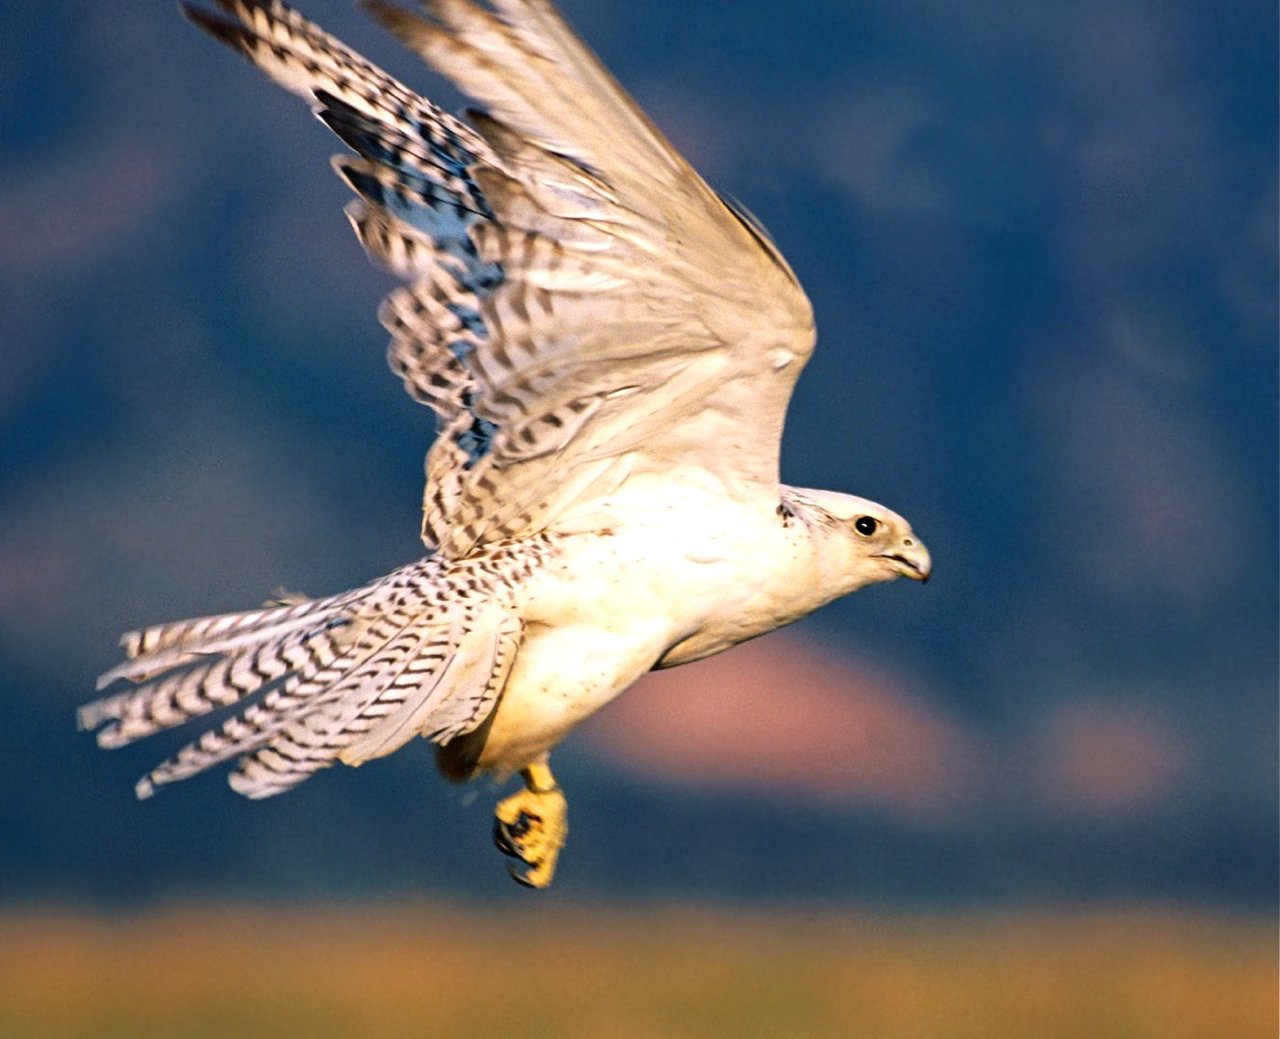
<point x="610" y="607"/>
<point x="561" y="676"/>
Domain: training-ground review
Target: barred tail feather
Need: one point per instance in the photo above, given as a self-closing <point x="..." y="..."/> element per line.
<point x="445" y="689"/>
<point x="163" y="646"/>
<point x="300" y="692"/>
<point x="188" y="668"/>
<point x="347" y="678"/>
<point x="412" y="663"/>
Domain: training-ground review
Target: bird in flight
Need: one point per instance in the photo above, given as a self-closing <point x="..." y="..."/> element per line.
<point x="609" y="347"/>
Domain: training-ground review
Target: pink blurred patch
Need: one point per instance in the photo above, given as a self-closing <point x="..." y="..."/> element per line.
<point x="1109" y="759"/>
<point x="780" y="716"/>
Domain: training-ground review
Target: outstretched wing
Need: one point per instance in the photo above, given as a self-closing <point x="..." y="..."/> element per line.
<point x="583" y="309"/>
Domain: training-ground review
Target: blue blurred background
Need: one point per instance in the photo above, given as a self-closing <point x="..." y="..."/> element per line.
<point x="1040" y="240"/>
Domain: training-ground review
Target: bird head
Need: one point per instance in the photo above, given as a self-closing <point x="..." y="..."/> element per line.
<point x="882" y="544"/>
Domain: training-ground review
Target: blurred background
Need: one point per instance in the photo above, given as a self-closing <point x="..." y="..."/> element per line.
<point x="1040" y="241"/>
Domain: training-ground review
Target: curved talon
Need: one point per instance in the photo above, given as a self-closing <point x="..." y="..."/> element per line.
<point x="506" y="834"/>
<point x="522" y="878"/>
<point x="521" y="825"/>
<point x="501" y="841"/>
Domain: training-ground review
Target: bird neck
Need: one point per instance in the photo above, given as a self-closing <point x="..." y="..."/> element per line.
<point x="827" y="558"/>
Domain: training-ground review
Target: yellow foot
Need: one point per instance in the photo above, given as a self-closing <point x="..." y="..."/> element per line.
<point x="531" y="826"/>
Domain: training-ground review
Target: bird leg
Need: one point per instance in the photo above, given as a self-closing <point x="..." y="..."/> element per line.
<point x="531" y="825"/>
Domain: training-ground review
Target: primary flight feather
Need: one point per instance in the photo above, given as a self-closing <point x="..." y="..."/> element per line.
<point x="609" y="347"/>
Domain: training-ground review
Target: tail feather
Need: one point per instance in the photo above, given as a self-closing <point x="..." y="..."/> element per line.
<point x="166" y="701"/>
<point x="425" y="650"/>
<point x="163" y="646"/>
<point x="470" y="665"/>
<point x="437" y="683"/>
<point x="308" y="740"/>
<point x="202" y="668"/>
<point x="299" y="692"/>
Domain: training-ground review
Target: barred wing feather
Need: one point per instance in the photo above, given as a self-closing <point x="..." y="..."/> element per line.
<point x="641" y="325"/>
<point x="582" y="307"/>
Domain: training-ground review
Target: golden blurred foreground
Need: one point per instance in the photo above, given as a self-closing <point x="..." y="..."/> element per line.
<point x="551" y="970"/>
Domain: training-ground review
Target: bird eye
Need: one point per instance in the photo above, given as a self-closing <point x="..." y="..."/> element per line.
<point x="865" y="525"/>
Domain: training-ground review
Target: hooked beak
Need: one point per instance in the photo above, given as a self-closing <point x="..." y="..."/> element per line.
<point x="911" y="559"/>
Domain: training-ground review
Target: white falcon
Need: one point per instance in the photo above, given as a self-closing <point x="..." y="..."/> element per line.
<point x="609" y="347"/>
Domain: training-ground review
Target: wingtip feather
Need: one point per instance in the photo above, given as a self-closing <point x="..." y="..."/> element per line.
<point x="226" y="31"/>
<point x="408" y="27"/>
<point x="383" y="13"/>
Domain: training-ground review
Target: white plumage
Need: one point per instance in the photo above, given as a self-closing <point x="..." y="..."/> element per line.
<point x="609" y="347"/>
